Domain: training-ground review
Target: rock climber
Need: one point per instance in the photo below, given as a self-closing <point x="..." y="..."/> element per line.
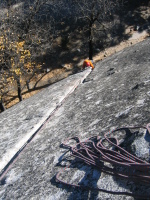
<point x="87" y="63"/>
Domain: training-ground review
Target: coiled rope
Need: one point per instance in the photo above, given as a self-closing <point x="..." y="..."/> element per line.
<point x="94" y="152"/>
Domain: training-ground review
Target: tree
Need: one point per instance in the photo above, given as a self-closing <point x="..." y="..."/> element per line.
<point x="96" y="15"/>
<point x="26" y="32"/>
<point x="4" y="81"/>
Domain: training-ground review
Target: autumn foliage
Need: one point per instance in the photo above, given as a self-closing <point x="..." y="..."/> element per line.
<point x="17" y="58"/>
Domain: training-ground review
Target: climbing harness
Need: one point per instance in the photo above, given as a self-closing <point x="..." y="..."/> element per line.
<point x="95" y="151"/>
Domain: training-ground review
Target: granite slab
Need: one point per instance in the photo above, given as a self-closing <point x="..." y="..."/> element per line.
<point x="115" y="94"/>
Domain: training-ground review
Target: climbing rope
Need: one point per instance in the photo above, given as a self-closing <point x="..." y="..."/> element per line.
<point x="95" y="151"/>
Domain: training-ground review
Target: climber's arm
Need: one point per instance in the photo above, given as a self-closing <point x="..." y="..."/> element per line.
<point x="83" y="65"/>
<point x="92" y="65"/>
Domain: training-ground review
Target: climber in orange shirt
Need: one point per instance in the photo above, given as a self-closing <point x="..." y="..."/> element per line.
<point x="87" y="63"/>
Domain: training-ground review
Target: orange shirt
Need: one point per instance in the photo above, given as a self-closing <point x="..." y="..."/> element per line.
<point x="88" y="63"/>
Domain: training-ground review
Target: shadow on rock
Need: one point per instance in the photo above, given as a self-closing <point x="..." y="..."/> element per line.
<point x="136" y="143"/>
<point x="80" y="174"/>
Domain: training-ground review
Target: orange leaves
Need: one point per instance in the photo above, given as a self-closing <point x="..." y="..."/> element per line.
<point x="16" y="62"/>
<point x="20" y="58"/>
<point x="17" y="72"/>
<point x="20" y="44"/>
<point x="2" y="43"/>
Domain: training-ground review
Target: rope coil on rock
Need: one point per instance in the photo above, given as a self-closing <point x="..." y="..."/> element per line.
<point x="94" y="152"/>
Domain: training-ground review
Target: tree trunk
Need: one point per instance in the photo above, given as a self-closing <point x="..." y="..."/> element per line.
<point x="27" y="83"/>
<point x="19" y="90"/>
<point x="39" y="80"/>
<point x="2" y="107"/>
<point x="90" y="42"/>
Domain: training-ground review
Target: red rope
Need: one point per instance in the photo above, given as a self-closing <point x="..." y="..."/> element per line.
<point x="94" y="152"/>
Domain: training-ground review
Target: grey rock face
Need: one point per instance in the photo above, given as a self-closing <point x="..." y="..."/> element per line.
<point x="102" y="102"/>
<point x="20" y="122"/>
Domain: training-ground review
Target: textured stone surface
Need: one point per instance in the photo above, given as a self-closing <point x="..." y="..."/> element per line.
<point x="19" y="123"/>
<point x="102" y="102"/>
